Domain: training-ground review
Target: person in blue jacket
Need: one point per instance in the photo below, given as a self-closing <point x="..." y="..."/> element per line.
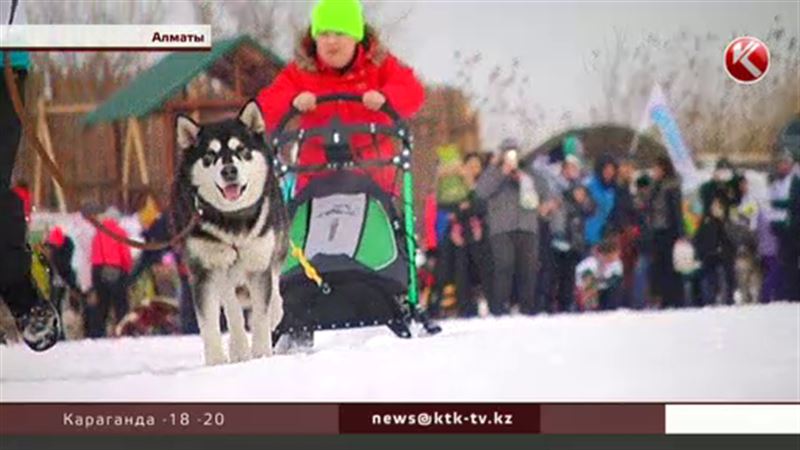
<point x="602" y="188"/>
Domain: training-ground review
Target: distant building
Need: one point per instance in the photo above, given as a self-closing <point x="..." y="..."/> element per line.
<point x="447" y="117"/>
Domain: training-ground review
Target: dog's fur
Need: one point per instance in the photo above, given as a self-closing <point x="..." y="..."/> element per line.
<point x="237" y="250"/>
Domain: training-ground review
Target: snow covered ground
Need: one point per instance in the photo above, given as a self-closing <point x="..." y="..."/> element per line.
<point x="745" y="353"/>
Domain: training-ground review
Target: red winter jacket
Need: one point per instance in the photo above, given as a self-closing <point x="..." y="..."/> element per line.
<point x="25" y="195"/>
<point x="108" y="252"/>
<point x="373" y="69"/>
<point x="431" y="214"/>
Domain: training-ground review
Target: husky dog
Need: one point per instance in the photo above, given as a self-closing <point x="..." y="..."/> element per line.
<point x="236" y="251"/>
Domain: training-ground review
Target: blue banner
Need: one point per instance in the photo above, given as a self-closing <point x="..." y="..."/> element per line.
<point x="678" y="151"/>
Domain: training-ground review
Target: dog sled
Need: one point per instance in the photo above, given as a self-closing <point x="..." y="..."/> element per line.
<point x="351" y="261"/>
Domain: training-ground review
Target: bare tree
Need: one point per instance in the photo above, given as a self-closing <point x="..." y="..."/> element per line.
<point x="503" y="97"/>
<point x="716" y="114"/>
<point x="113" y="64"/>
<point x="277" y="24"/>
<point x="268" y="22"/>
<point x="389" y="22"/>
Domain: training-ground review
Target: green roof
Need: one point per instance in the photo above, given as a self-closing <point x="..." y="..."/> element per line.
<point x="156" y="85"/>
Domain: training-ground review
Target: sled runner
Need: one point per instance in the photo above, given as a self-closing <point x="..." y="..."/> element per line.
<point x="351" y="262"/>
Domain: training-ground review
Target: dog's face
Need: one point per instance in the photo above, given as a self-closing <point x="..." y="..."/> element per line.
<point x="228" y="161"/>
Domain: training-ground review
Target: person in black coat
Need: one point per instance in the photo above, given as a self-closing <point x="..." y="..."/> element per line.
<point x="464" y="255"/>
<point x="60" y="250"/>
<point x="793" y="286"/>
<point x="716" y="251"/>
<point x="713" y="243"/>
<point x="624" y="215"/>
<point x="664" y="227"/>
<point x="31" y="311"/>
<point x="570" y="245"/>
<point x="624" y="225"/>
<point x="723" y="187"/>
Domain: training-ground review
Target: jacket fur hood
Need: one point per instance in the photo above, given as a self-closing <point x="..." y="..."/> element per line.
<point x="305" y="54"/>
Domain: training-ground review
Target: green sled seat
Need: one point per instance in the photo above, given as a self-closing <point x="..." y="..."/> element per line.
<point x="351" y="234"/>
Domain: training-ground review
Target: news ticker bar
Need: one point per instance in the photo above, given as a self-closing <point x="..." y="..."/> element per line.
<point x="380" y="418"/>
<point x="105" y="37"/>
<point x="406" y="442"/>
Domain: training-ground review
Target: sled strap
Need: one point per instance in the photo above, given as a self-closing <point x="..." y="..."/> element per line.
<point x="309" y="270"/>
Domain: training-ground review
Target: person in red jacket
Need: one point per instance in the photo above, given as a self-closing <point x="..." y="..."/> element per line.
<point x="111" y="264"/>
<point x="341" y="55"/>
<point x="24" y="194"/>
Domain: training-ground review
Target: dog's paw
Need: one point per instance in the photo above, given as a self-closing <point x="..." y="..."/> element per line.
<point x="264" y="352"/>
<point x="262" y="340"/>
<point x="239" y="349"/>
<point x="240" y="357"/>
<point x="215" y="358"/>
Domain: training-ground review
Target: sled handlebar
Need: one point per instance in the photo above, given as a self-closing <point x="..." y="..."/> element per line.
<point x="281" y="139"/>
<point x="329" y="98"/>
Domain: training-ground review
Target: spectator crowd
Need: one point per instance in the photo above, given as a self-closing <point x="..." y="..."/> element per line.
<point x="548" y="233"/>
<point x="545" y="233"/>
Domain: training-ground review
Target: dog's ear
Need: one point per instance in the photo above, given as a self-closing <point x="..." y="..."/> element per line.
<point x="251" y="117"/>
<point x="186" y="131"/>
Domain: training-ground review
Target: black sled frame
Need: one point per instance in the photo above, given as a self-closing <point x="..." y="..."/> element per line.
<point x="349" y="299"/>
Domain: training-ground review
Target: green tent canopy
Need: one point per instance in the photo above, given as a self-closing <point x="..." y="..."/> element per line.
<point x="161" y="82"/>
<point x="605" y="138"/>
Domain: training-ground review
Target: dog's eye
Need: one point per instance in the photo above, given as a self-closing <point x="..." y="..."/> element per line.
<point x="208" y="159"/>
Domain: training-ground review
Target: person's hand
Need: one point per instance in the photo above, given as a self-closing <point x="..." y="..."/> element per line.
<point x="373" y="100"/>
<point x="477" y="228"/>
<point x="305" y="101"/>
<point x="457" y="235"/>
<point x="547" y="207"/>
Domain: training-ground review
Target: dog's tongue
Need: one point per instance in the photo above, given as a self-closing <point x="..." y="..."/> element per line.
<point x="231" y="192"/>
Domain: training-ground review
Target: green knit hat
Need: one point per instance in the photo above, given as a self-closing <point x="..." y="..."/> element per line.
<point x="341" y="16"/>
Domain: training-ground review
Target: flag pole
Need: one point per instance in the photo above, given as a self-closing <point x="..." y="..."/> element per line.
<point x="634" y="143"/>
<point x="643" y="122"/>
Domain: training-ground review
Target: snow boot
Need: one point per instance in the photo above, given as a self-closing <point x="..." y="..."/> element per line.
<point x="34" y="316"/>
<point x="40" y="327"/>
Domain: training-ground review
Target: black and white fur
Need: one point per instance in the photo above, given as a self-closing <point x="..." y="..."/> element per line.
<point x="237" y="250"/>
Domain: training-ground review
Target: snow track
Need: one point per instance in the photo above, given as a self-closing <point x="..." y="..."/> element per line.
<point x="745" y="353"/>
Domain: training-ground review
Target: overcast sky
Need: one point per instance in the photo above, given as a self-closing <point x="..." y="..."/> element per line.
<point x="553" y="39"/>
